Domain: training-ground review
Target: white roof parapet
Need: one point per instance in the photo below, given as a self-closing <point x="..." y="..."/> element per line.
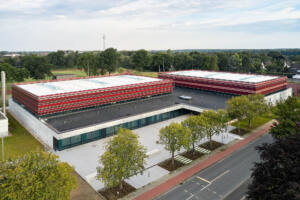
<point x="226" y="76"/>
<point x="75" y="85"/>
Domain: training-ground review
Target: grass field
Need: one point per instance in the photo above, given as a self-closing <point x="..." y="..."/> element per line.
<point x="77" y="72"/>
<point x="19" y="142"/>
<point x="151" y="74"/>
<point x="80" y="73"/>
<point x="256" y="122"/>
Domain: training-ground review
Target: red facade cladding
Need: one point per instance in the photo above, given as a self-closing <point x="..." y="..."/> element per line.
<point x="225" y="86"/>
<point x="50" y="104"/>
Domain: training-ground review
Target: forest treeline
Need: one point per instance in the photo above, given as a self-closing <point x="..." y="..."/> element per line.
<point x="108" y="61"/>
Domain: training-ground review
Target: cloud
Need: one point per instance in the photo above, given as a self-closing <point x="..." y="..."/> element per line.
<point x="150" y="24"/>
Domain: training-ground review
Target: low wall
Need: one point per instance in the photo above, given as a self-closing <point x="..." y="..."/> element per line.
<point x="279" y="96"/>
<point x="3" y="125"/>
<point x="35" y="126"/>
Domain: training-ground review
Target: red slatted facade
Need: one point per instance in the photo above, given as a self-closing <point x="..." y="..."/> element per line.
<point x="50" y="104"/>
<point x="225" y="86"/>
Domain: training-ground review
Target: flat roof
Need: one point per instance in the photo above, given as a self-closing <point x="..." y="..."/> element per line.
<point x="75" y="85"/>
<point x="247" y="78"/>
<point x="67" y="122"/>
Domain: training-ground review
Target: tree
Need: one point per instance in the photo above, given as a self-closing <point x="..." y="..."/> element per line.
<point x="36" y="176"/>
<point x="237" y="108"/>
<point x="173" y="137"/>
<point x="123" y="158"/>
<point x="38" y="66"/>
<point x="182" y="61"/>
<point x="235" y="62"/>
<point x="277" y="176"/>
<point x="14" y="73"/>
<point x="157" y="62"/>
<point x="57" y="58"/>
<point x="195" y="124"/>
<point x="214" y="123"/>
<point x="110" y="57"/>
<point x="141" y="59"/>
<point x="257" y="106"/>
<point x="88" y="62"/>
<point x="100" y="64"/>
<point x="287" y="114"/>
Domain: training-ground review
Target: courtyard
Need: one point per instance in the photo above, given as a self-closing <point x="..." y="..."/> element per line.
<point x="84" y="158"/>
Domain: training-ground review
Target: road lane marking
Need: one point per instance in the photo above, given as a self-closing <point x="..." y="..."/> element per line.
<point x="203" y="179"/>
<point x="220" y="175"/>
<point x="215" y="179"/>
<point x="190" y="197"/>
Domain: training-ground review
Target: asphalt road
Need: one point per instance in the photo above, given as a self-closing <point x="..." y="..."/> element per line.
<point x="226" y="179"/>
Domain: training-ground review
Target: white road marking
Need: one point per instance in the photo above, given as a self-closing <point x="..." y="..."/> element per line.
<point x="190" y="197"/>
<point x="203" y="179"/>
<point x="215" y="179"/>
<point x="243" y="198"/>
<point x="220" y="175"/>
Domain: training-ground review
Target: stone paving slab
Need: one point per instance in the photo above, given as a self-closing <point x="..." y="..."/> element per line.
<point x="148" y="176"/>
<point x="202" y="150"/>
<point x="182" y="159"/>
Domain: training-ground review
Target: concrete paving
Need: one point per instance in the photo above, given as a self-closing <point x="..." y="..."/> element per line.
<point x="84" y="158"/>
<point x="149" y="175"/>
<point x="221" y="179"/>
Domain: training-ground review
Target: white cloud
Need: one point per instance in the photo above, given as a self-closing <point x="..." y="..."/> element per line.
<point x="151" y="24"/>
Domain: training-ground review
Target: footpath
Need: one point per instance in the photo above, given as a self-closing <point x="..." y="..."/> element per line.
<point x="167" y="185"/>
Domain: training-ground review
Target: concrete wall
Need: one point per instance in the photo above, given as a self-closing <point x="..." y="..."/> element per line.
<point x="3" y="125"/>
<point x="279" y="96"/>
<point x="35" y="126"/>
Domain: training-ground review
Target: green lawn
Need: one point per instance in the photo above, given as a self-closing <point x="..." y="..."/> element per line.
<point x="78" y="72"/>
<point x="256" y="122"/>
<point x="151" y="74"/>
<point x="19" y="142"/>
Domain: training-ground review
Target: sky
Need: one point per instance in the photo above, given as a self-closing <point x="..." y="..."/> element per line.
<point x="50" y="25"/>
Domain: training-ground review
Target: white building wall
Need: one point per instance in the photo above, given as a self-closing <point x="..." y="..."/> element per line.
<point x="36" y="127"/>
<point x="279" y="96"/>
<point x="3" y="126"/>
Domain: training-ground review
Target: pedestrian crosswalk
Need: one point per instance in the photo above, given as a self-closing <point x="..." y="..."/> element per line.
<point x="202" y="150"/>
<point x="182" y="159"/>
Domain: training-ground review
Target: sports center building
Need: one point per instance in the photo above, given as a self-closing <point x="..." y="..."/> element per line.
<point x="232" y="83"/>
<point x="66" y="113"/>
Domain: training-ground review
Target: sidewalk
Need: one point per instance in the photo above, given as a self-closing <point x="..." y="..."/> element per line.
<point x="156" y="191"/>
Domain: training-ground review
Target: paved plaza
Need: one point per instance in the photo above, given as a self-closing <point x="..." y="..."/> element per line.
<point x="84" y="158"/>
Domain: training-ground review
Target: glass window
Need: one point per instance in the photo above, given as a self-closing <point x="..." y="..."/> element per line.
<point x="102" y="133"/>
<point x="75" y="139"/>
<point x="143" y="122"/>
<point x="133" y="124"/>
<point x="117" y="128"/>
<point x="65" y="142"/>
<point x="92" y="135"/>
<point x="110" y="131"/>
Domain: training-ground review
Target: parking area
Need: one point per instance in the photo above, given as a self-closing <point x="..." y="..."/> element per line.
<point x="84" y="158"/>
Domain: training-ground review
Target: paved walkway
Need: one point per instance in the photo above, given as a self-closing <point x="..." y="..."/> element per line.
<point x="154" y="192"/>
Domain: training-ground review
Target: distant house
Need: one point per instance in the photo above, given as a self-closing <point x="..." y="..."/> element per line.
<point x="63" y="76"/>
<point x="295" y="68"/>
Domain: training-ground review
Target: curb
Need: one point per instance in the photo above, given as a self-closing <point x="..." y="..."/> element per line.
<point x="162" y="188"/>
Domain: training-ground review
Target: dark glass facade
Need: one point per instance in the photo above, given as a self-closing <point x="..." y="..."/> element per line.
<point x="106" y="132"/>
